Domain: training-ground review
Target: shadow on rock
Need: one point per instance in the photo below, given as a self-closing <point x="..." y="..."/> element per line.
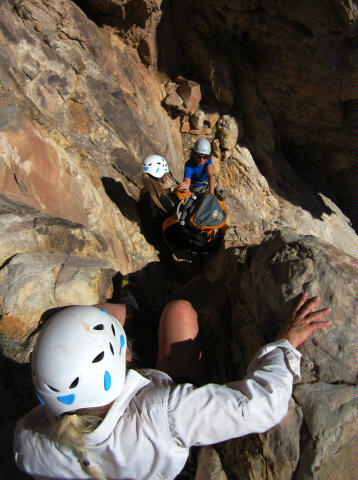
<point x="118" y="195"/>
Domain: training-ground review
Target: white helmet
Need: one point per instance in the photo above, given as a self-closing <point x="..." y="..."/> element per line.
<point x="202" y="146"/>
<point x="79" y="360"/>
<point x="155" y="165"/>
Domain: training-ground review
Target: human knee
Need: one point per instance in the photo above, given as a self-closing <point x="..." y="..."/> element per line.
<point x="183" y="308"/>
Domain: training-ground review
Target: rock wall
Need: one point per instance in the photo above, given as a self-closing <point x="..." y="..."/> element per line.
<point x="87" y="90"/>
<point x="287" y="67"/>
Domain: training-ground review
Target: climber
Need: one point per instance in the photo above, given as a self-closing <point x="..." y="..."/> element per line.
<point x="198" y="173"/>
<point x="156" y="200"/>
<point x="101" y="419"/>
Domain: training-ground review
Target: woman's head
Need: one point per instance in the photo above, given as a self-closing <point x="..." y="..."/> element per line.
<point x="201" y="151"/>
<point x="155" y="166"/>
<point x="154" y="177"/>
<point x="79" y="360"/>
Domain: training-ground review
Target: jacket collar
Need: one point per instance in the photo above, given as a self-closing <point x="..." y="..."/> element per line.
<point x="132" y="384"/>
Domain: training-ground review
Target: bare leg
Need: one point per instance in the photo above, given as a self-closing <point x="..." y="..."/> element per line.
<point x="179" y="351"/>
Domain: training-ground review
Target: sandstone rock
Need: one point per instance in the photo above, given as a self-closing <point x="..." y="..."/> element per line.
<point x="281" y="445"/>
<point x="197" y="119"/>
<point x="226" y="155"/>
<point x="78" y="84"/>
<point x="170" y="87"/>
<point x="24" y="229"/>
<point x="215" y="146"/>
<point x="250" y="201"/>
<point x="228" y="132"/>
<point x="331" y="225"/>
<point x="255" y="208"/>
<point x="30" y="284"/>
<point x="47" y="116"/>
<point x="162" y="92"/>
<point x="273" y="455"/>
<point x="274" y="274"/>
<point x="211" y="118"/>
<point x="136" y="24"/>
<point x="283" y="266"/>
<point x="173" y="100"/>
<point x="209" y="465"/>
<point x="332" y="428"/>
<point x="247" y="165"/>
<point x="283" y="80"/>
<point x="68" y="190"/>
<point x="191" y="94"/>
<point x="185" y="127"/>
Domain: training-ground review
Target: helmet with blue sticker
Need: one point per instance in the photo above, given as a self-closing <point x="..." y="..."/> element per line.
<point x="155" y="165"/>
<point x="202" y="146"/>
<point x="79" y="360"/>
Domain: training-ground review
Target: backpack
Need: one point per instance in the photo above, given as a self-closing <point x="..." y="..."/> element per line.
<point x="197" y="224"/>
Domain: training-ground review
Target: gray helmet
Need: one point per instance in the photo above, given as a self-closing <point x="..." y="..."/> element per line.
<point x="202" y="146"/>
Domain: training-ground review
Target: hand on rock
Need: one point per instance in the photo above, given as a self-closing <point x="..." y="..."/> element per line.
<point x="303" y="321"/>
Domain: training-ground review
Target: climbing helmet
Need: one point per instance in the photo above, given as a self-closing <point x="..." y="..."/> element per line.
<point x="79" y="360"/>
<point x="202" y="146"/>
<point x="155" y="165"/>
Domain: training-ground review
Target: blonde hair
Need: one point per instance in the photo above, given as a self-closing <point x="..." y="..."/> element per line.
<point x="155" y="188"/>
<point x="69" y="430"/>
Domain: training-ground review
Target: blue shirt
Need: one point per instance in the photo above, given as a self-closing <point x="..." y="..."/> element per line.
<point x="198" y="174"/>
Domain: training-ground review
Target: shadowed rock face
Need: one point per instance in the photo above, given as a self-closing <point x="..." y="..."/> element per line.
<point x="87" y="90"/>
<point x="321" y="414"/>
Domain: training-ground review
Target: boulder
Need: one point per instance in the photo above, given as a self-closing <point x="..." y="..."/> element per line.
<point x="228" y="132"/>
<point x="197" y="119"/>
<point x="190" y="92"/>
<point x="212" y="118"/>
<point x="262" y="292"/>
<point x="209" y="465"/>
<point x="251" y="204"/>
<point x="185" y="127"/>
<point x="173" y="100"/>
<point x="329" y="412"/>
<point x="31" y="284"/>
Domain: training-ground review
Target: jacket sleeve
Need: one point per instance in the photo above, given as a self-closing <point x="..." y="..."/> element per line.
<point x="214" y="413"/>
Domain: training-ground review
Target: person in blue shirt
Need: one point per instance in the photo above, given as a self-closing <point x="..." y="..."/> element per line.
<point x="198" y="173"/>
